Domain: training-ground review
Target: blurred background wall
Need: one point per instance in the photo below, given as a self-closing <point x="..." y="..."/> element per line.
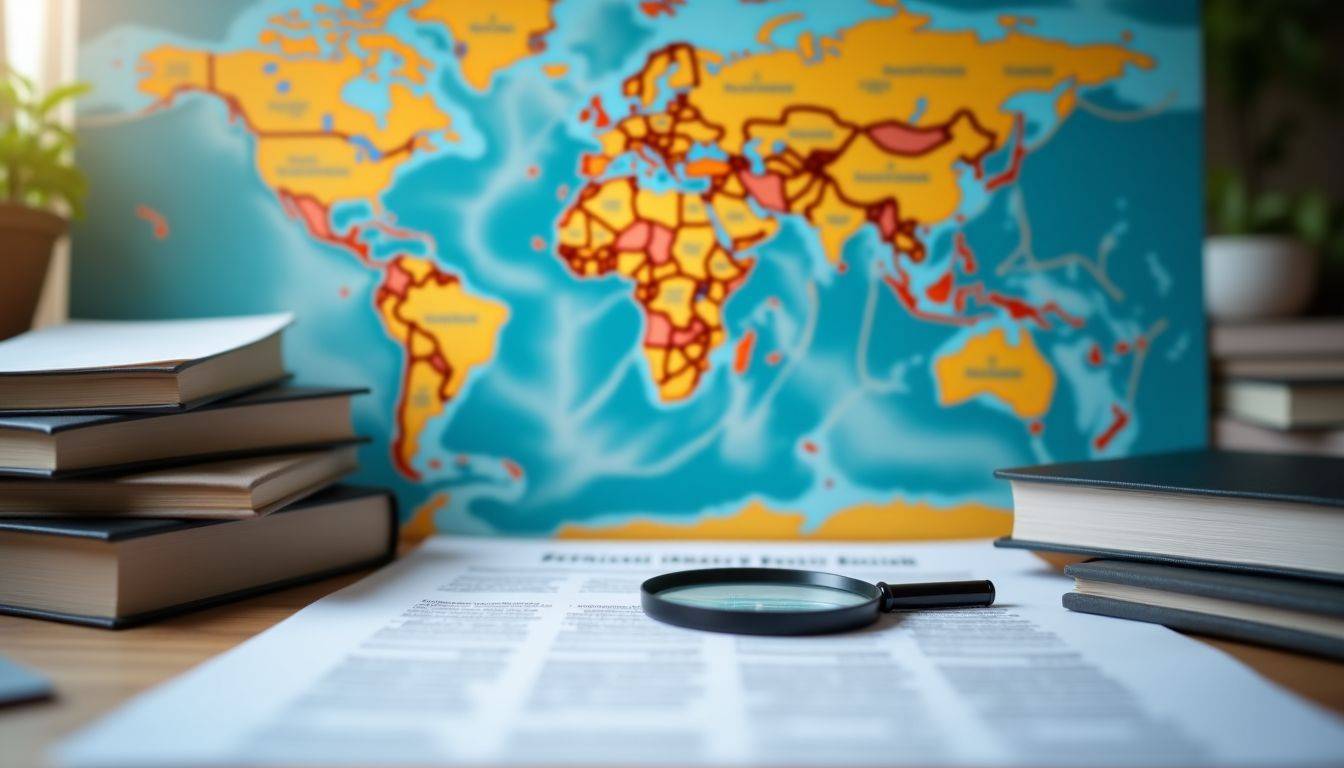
<point x="1274" y="74"/>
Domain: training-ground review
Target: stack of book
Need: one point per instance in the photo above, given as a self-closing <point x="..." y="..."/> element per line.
<point x="1279" y="386"/>
<point x="1242" y="545"/>
<point x="152" y="467"/>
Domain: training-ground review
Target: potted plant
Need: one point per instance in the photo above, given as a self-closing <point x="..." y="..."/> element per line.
<point x="1266" y="61"/>
<point x="1267" y="260"/>
<point x="39" y="187"/>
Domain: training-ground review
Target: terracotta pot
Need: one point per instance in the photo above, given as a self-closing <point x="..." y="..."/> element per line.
<point x="27" y="237"/>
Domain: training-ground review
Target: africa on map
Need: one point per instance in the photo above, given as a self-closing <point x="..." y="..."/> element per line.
<point x="674" y="267"/>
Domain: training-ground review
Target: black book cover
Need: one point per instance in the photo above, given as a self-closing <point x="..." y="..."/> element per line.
<point x="1208" y="624"/>
<point x="1289" y="594"/>
<point x="111" y="531"/>
<point x="1274" y="477"/>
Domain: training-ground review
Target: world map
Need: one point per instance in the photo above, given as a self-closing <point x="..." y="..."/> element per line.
<point x="674" y="267"/>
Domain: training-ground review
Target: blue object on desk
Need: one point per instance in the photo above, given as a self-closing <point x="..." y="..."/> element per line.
<point x="20" y="684"/>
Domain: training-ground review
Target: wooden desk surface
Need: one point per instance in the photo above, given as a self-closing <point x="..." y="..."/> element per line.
<point x="96" y="669"/>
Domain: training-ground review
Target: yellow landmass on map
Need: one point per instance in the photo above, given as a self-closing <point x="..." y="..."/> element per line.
<point x="168" y="69"/>
<point x="272" y="92"/>
<point x="742" y="225"/>
<point x="835" y="221"/>
<point x="1019" y="375"/>
<point x="802" y="130"/>
<point x="309" y="140"/>
<point x="305" y="45"/>
<point x="840" y="120"/>
<point x="861" y="522"/>
<point x="885" y="67"/>
<point x="925" y="184"/>
<point x="445" y="331"/>
<point x="420" y="525"/>
<point x="665" y="243"/>
<point x="490" y="36"/>
<point x="413" y="67"/>
<point x="325" y="168"/>
<point x="677" y="63"/>
<point x="766" y="33"/>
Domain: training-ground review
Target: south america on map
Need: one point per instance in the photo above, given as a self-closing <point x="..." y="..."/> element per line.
<point x="674" y="268"/>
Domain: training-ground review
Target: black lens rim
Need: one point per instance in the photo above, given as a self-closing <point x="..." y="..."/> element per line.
<point x="758" y="623"/>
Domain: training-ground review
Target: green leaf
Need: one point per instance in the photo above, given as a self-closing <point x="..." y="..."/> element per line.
<point x="60" y="182"/>
<point x="9" y="145"/>
<point x="9" y="95"/>
<point x="25" y="85"/>
<point x="61" y="133"/>
<point x="36" y="151"/>
<point x="1311" y="218"/>
<point x="61" y="94"/>
<point x="1227" y="202"/>
<point x="1271" y="212"/>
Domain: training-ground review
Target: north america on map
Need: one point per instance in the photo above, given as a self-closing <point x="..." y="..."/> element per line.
<point x="686" y="268"/>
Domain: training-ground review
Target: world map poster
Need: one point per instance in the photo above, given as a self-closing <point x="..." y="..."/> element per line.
<point x="700" y="268"/>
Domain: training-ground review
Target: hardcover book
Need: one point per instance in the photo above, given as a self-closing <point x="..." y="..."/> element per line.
<point x="279" y="419"/>
<point x="118" y="573"/>
<point x="235" y="488"/>
<point x="1289" y="613"/>
<point x="1269" y="513"/>
<point x="138" y="365"/>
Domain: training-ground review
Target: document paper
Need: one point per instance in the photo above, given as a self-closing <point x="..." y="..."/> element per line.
<point x="509" y="652"/>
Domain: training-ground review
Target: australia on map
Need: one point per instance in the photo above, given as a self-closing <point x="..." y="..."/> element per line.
<point x="674" y="267"/>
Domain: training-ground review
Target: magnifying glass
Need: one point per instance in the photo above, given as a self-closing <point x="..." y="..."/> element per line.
<point x="781" y="601"/>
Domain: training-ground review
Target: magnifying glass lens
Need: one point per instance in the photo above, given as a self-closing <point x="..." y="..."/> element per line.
<point x="783" y="601"/>
<point x="762" y="597"/>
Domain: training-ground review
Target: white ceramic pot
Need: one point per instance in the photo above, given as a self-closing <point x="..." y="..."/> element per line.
<point x="1251" y="277"/>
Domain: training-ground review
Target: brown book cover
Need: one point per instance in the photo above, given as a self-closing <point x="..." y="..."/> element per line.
<point x="236" y="488"/>
<point x="1280" y="338"/>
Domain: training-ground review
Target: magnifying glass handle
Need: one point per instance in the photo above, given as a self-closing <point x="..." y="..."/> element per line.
<point x="936" y="594"/>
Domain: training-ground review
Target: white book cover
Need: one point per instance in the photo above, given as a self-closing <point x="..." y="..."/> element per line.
<point x="85" y="345"/>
